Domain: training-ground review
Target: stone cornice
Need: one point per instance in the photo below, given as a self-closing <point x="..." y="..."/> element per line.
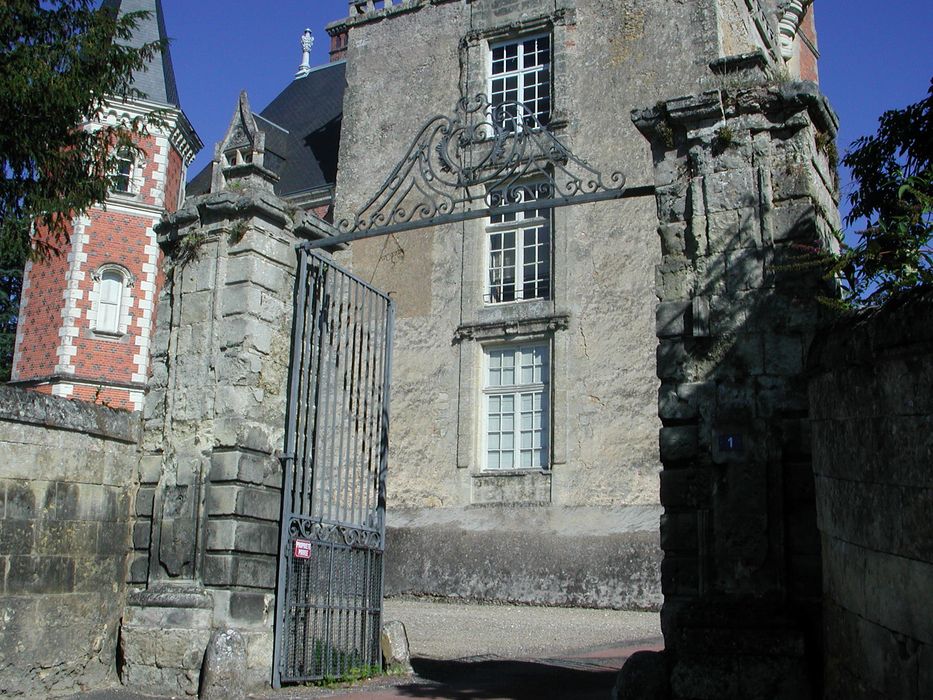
<point x="504" y="329"/>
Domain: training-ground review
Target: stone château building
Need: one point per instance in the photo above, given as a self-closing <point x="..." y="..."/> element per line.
<point x="524" y="457"/>
<point x="548" y="359"/>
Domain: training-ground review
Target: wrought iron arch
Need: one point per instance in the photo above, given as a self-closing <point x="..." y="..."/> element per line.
<point x="478" y="160"/>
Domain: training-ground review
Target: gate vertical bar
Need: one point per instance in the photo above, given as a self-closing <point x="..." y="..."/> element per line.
<point x="331" y="567"/>
<point x="295" y="371"/>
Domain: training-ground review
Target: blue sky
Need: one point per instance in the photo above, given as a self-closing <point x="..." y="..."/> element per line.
<point x="874" y="56"/>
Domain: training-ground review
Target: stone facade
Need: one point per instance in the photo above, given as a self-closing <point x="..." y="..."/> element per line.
<point x="743" y="176"/>
<point x="597" y="321"/>
<point x="66" y="483"/>
<point x="871" y="406"/>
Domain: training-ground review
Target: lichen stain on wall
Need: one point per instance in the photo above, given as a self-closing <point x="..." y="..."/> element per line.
<point x="631" y="30"/>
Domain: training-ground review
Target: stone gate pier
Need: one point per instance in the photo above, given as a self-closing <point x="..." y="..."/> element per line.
<point x="208" y="507"/>
<point x="744" y="177"/>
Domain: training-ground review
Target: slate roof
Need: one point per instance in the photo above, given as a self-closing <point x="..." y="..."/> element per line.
<point x="302" y="127"/>
<point x="157" y="80"/>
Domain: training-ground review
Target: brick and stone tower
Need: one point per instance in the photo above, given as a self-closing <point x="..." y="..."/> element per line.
<point x="87" y="316"/>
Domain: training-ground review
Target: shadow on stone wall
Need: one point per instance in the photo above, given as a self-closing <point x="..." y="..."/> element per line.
<point x="66" y="475"/>
<point x="871" y="404"/>
<point x="741" y="179"/>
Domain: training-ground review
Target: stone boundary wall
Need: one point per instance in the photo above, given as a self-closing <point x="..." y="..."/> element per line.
<point x="871" y="402"/>
<point x="67" y="470"/>
<point x="586" y="556"/>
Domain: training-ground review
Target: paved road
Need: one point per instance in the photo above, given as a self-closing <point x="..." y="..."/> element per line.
<point x="493" y="652"/>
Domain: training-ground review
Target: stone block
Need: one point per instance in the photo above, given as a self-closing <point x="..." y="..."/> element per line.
<point x="68" y="538"/>
<point x="744" y="269"/>
<point x="795" y="222"/>
<point x="671" y="358"/>
<point x="103" y="575"/>
<point x="150" y="468"/>
<point x="733" y="230"/>
<point x="222" y="675"/>
<point x="669" y="318"/>
<point x="393" y="640"/>
<point x="231" y="535"/>
<point x="144" y="502"/>
<point x="644" y="676"/>
<point x="17" y="536"/>
<point x="700" y="317"/>
<point x="264" y="273"/>
<point x="20" y="502"/>
<point x="705" y="677"/>
<point x="251" y="571"/>
<point x="196" y="307"/>
<point x="685" y="488"/>
<point x="251" y="608"/>
<point x="138" y="567"/>
<point x="673" y="279"/>
<point x="40" y="574"/>
<point x="231" y="499"/>
<point x="729" y="190"/>
<point x="672" y="203"/>
<point x="673" y="238"/>
<point x="679" y="533"/>
<point x="244" y="467"/>
<point x="678" y="443"/>
<point x="248" y="333"/>
<point x="784" y="355"/>
<point x="773" y="677"/>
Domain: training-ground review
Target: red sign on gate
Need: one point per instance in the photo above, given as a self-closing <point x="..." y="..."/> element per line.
<point x="302" y="549"/>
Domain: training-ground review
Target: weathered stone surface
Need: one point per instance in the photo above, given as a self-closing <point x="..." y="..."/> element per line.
<point x="869" y="398"/>
<point x="732" y="399"/>
<point x="606" y="557"/>
<point x="396" y="655"/>
<point x="644" y="676"/>
<point x="222" y="675"/>
<point x="65" y="483"/>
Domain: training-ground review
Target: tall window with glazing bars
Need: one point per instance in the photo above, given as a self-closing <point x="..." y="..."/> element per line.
<point x="519" y="244"/>
<point x="520" y="71"/>
<point x="516" y="433"/>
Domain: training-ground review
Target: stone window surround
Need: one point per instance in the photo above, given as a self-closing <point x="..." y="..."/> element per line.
<point x="525" y="77"/>
<point x="518" y="227"/>
<point x="135" y="180"/>
<point x="473" y="340"/>
<point x="476" y="54"/>
<point x="515" y="390"/>
<point x="126" y="302"/>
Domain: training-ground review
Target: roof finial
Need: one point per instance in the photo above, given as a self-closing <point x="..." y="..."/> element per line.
<point x="307" y="41"/>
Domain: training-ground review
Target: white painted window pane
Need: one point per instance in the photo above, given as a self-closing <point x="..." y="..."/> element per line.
<point x="111" y="296"/>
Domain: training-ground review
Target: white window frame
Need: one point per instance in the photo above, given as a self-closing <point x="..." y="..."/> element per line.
<point x="514" y="414"/>
<point x="525" y="79"/>
<point x="124" y="280"/>
<point x="126" y="160"/>
<point x="537" y="223"/>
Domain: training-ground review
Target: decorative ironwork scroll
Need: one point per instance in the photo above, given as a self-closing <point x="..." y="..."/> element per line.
<point x="483" y="158"/>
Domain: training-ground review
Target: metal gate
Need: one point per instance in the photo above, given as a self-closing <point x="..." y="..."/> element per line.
<point x="329" y="594"/>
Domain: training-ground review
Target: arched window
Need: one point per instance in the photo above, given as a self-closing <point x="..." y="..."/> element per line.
<point x="111" y="288"/>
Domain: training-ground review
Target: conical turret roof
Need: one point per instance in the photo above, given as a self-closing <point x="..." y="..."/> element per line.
<point x="157" y="81"/>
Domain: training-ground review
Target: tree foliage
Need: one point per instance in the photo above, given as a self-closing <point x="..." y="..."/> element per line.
<point x="60" y="61"/>
<point x="893" y="202"/>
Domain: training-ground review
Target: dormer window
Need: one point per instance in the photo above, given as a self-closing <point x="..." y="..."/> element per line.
<point x="238" y="156"/>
